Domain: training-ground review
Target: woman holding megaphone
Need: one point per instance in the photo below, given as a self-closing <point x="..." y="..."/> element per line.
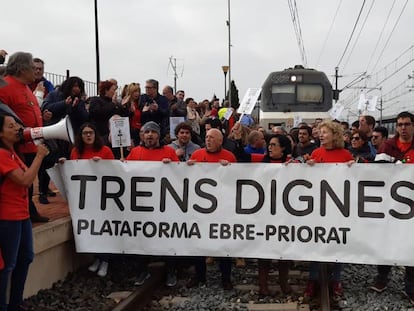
<point x="16" y="241"/>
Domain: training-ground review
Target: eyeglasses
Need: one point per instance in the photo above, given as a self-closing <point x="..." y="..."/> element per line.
<point x="407" y="124"/>
<point x="356" y="138"/>
<point x="86" y="133"/>
<point x="273" y="145"/>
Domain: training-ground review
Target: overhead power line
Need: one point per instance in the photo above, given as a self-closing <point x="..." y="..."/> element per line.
<point x="296" y="25"/>
<point x="328" y="34"/>
<point x="396" y="66"/>
<point x="352" y="33"/>
<point x="401" y="89"/>
<point x="380" y="36"/>
<point x="392" y="32"/>
<point x="358" y="36"/>
<point x="387" y="72"/>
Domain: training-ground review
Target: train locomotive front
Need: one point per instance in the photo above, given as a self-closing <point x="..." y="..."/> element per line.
<point x="294" y="94"/>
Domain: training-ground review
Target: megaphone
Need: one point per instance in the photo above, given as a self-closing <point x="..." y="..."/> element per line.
<point x="62" y="130"/>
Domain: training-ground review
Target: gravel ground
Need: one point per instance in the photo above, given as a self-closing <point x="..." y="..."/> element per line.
<point x="84" y="290"/>
<point x="357" y="279"/>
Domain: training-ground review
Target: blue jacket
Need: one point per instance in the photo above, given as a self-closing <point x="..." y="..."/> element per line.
<point x="55" y="103"/>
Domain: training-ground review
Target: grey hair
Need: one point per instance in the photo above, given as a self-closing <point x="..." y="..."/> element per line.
<point x="18" y="62"/>
<point x="153" y="82"/>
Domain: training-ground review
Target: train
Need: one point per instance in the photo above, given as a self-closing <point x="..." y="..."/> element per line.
<point x="294" y="95"/>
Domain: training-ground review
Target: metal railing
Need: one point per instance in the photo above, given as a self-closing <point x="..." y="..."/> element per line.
<point x="57" y="79"/>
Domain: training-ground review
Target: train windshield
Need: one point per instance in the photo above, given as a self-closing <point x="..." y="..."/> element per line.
<point x="302" y="93"/>
<point x="310" y="93"/>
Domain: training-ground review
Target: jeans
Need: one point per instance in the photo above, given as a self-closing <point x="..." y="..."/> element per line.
<point x="28" y="160"/>
<point x="16" y="243"/>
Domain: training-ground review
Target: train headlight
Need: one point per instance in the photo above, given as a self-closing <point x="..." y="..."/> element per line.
<point x="296" y="78"/>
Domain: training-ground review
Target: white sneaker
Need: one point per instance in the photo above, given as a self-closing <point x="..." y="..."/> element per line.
<point x="103" y="269"/>
<point x="94" y="267"/>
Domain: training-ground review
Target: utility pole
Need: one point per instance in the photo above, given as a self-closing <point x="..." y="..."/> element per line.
<point x="381" y="109"/>
<point x="228" y="25"/>
<point x="98" y="78"/>
<point x="336" y="91"/>
<point x="173" y="63"/>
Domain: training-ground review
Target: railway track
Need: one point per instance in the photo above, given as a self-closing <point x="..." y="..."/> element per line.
<point x="153" y="295"/>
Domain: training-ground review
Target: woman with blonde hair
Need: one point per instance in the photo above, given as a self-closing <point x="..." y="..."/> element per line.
<point x="245" y="131"/>
<point x="332" y="150"/>
<point x="132" y="103"/>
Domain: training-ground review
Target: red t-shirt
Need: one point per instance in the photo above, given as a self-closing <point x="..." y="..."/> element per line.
<point x="141" y="153"/>
<point x="323" y="155"/>
<point x="201" y="155"/>
<point x="21" y="100"/>
<point x="404" y="147"/>
<point x="13" y="197"/>
<point x="88" y="153"/>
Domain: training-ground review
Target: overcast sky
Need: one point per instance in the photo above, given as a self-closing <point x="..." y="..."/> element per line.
<point x="137" y="39"/>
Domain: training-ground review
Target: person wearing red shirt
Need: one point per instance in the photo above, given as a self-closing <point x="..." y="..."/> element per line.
<point x="89" y="145"/>
<point x="401" y="148"/>
<point x="213" y="152"/>
<point x="332" y="150"/>
<point x="152" y="150"/>
<point x="18" y="96"/>
<point x="16" y="240"/>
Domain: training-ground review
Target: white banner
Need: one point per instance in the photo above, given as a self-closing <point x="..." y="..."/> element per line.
<point x="328" y="212"/>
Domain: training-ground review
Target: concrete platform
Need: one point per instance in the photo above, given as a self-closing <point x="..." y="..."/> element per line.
<point x="55" y="254"/>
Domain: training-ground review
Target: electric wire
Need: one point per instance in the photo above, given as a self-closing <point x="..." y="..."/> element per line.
<point x="296" y="25"/>
<point x="358" y="36"/>
<point x="352" y="33"/>
<point x="380" y="36"/>
<point x="328" y="34"/>
<point x="389" y="37"/>
<point x="383" y="74"/>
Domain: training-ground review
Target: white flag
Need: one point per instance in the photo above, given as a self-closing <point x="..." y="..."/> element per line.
<point x="367" y="102"/>
<point x="336" y="111"/>
<point x="249" y="100"/>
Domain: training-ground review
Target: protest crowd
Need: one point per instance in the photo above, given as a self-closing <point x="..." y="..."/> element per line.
<point x="204" y="131"/>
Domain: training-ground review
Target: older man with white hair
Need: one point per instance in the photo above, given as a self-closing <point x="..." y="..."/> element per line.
<point x="18" y="96"/>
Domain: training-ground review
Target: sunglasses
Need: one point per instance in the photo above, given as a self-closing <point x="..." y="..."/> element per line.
<point x="356" y="138"/>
